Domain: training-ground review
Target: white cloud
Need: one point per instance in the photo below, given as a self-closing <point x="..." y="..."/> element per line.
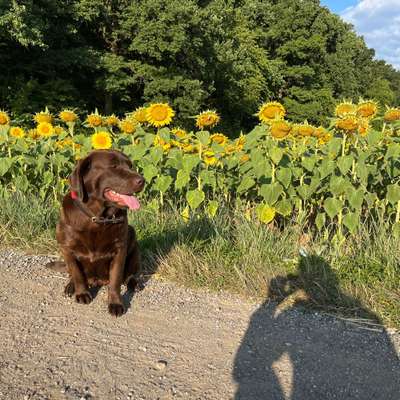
<point x="379" y="22"/>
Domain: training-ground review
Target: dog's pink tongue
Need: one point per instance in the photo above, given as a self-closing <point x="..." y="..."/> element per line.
<point x="131" y="201"/>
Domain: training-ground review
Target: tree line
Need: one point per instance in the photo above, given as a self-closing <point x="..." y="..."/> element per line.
<point x="228" y="55"/>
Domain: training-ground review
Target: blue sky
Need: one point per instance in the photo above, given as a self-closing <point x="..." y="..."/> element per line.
<point x="338" y="5"/>
<point x="377" y="20"/>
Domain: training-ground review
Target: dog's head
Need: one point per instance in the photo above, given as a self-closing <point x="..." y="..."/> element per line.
<point x="107" y="176"/>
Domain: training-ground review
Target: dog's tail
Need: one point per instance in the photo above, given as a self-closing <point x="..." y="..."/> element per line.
<point x="58" y="266"/>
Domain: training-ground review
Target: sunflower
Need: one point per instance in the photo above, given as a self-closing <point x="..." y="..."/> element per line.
<point x="391" y="115"/>
<point x="140" y="115"/>
<point x="112" y="120"/>
<point x="325" y="138"/>
<point x="344" y="108"/>
<point x="4" y="118"/>
<point x="159" y="114"/>
<point x="68" y="116"/>
<point x="207" y="119"/>
<point x="179" y="133"/>
<point x="158" y="141"/>
<point x="271" y="111"/>
<point x="188" y="148"/>
<point x="349" y="123"/>
<point x="303" y="130"/>
<point x="17" y="132"/>
<point x="101" y="140"/>
<point x="94" y="120"/>
<point x="33" y="134"/>
<point x="240" y="142"/>
<point x="320" y="132"/>
<point x="58" y="129"/>
<point x="367" y="109"/>
<point x="280" y="129"/>
<point x="209" y="158"/>
<point x="230" y="149"/>
<point x="45" y="129"/>
<point x="363" y="127"/>
<point x="43" y="116"/>
<point x="219" y="138"/>
<point x="128" y="125"/>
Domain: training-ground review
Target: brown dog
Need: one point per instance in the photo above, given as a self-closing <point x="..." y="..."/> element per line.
<point x="97" y="244"/>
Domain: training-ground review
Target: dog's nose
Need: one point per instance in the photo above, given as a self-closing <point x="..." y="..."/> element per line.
<point x="139" y="181"/>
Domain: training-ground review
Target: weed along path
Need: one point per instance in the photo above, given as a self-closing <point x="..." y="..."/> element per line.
<point x="177" y="343"/>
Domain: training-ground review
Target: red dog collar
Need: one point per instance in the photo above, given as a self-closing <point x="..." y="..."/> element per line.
<point x="74" y="195"/>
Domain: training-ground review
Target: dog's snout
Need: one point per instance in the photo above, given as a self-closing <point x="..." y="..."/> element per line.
<point x="139" y="181"/>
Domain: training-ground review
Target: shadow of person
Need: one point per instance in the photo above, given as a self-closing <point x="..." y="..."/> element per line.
<point x="289" y="354"/>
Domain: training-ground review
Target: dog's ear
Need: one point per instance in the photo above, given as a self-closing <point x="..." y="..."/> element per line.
<point x="76" y="178"/>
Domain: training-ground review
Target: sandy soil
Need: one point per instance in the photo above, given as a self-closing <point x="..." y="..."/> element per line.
<point x="174" y="343"/>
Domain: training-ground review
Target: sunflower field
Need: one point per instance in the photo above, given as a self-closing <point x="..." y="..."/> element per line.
<point x="331" y="178"/>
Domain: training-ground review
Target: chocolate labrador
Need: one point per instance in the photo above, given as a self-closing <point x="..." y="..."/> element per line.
<point x="98" y="246"/>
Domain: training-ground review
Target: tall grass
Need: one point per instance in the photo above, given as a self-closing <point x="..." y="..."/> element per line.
<point x="357" y="278"/>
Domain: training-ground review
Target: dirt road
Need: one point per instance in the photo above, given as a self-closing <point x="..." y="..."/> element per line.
<point x="175" y="343"/>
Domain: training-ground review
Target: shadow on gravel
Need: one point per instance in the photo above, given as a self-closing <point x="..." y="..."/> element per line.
<point x="291" y="355"/>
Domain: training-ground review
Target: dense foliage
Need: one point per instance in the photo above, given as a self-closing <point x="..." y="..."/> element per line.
<point x="224" y="54"/>
<point x="333" y="178"/>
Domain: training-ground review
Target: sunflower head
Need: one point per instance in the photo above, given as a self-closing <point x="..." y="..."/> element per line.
<point x="101" y="140"/>
<point x="280" y="129"/>
<point x="271" y="111"/>
<point x="207" y="119"/>
<point x="240" y="142"/>
<point x="363" y="126"/>
<point x="128" y="125"/>
<point x="112" y="120"/>
<point x="304" y="130"/>
<point x="159" y="141"/>
<point x="325" y="138"/>
<point x="344" y="108"/>
<point x="159" y="114"/>
<point x="4" y="118"/>
<point x="179" y="133"/>
<point x="140" y="115"/>
<point x="348" y="123"/>
<point x="68" y="116"/>
<point x="33" y="134"/>
<point x="209" y="157"/>
<point x="392" y="115"/>
<point x="188" y="148"/>
<point x="43" y="116"/>
<point x="219" y="138"/>
<point x="230" y="149"/>
<point x="94" y="120"/>
<point x="45" y="129"/>
<point x="367" y="109"/>
<point x="17" y="132"/>
<point x="320" y="132"/>
<point x="58" y="129"/>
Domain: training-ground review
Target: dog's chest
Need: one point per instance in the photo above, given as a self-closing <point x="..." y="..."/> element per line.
<point x="97" y="247"/>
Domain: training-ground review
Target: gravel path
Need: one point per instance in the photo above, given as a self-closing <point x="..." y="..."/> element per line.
<point x="175" y="343"/>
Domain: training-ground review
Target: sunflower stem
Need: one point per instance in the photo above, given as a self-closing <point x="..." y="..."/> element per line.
<point x="344" y="144"/>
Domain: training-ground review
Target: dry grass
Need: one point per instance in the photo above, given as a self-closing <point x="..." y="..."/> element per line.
<point x="358" y="279"/>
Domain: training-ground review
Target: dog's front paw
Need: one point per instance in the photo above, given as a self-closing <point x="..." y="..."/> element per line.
<point x="116" y="309"/>
<point x="83" y="298"/>
<point x="69" y="290"/>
